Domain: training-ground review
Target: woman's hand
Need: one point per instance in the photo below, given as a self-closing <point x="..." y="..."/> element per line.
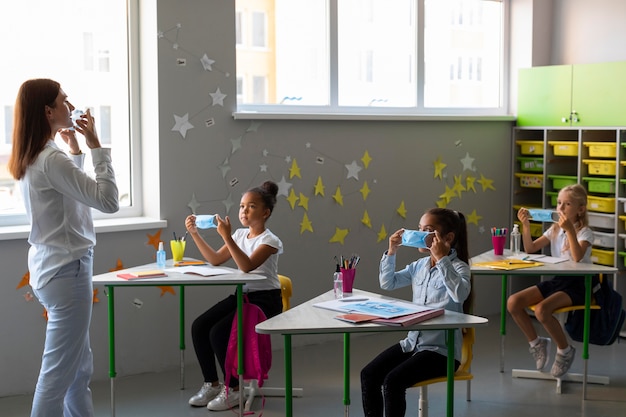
<point x="69" y="137"/>
<point x="85" y="125"/>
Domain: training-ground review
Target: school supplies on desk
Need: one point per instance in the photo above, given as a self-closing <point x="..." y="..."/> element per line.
<point x="378" y="308"/>
<point x="411" y="319"/>
<point x="509" y="264"/>
<point x="143" y="274"/>
<point x="189" y="263"/>
<point x="356" y="317"/>
<point x="204" y="270"/>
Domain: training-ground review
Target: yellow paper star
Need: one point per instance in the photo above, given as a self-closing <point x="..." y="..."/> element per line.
<point x="458" y="187"/>
<point x="119" y="266"/>
<point x="402" y="210"/>
<point x="304" y="201"/>
<point x="448" y="194"/>
<point x="306" y="224"/>
<point x="366" y="219"/>
<point x="293" y="198"/>
<point x="366" y="159"/>
<point x="365" y="190"/>
<point x="339" y="236"/>
<point x="319" y="187"/>
<point x="166" y="289"/>
<point x="154" y="239"/>
<point x="439" y="166"/>
<point x="338" y="197"/>
<point x="473" y="218"/>
<point x="486" y="183"/>
<point x="382" y="234"/>
<point x="469" y="181"/>
<point x="23" y="281"/>
<point x="442" y="203"/>
<point x="295" y="169"/>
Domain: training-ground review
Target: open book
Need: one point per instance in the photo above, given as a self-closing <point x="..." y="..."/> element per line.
<point x="143" y="274"/>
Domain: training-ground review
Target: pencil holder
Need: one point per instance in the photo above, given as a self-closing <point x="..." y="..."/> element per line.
<point x="348" y="279"/>
<point x="178" y="249"/>
<point x="498" y="244"/>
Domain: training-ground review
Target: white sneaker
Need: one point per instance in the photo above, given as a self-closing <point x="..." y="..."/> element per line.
<point x="206" y="394"/>
<point x="540" y="352"/>
<point x="225" y="400"/>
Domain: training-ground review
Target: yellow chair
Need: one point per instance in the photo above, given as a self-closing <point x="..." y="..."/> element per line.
<point x="461" y="374"/>
<point x="253" y="390"/>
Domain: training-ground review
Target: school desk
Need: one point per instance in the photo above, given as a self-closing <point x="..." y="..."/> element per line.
<point x="562" y="268"/>
<point x="110" y="280"/>
<point x="308" y="319"/>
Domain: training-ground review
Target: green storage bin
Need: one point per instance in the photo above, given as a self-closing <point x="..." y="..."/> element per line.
<point x="560" y="181"/>
<point x="600" y="185"/>
<point x="553" y="197"/>
<point x="529" y="164"/>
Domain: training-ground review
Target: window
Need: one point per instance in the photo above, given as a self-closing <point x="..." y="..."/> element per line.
<point x="84" y="46"/>
<point x="400" y="56"/>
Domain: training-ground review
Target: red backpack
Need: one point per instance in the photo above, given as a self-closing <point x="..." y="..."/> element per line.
<point x="257" y="351"/>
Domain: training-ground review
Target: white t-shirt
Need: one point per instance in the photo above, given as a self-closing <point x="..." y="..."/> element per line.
<point x="558" y="243"/>
<point x="269" y="268"/>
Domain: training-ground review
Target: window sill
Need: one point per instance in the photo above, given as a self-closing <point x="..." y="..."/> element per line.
<point x="101" y="225"/>
<point x="253" y="115"/>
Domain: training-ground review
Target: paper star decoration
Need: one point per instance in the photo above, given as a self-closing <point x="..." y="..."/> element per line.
<point x="193" y="204"/>
<point x="154" y="239"/>
<point x="486" y="183"/>
<point x="263" y="167"/>
<point x="366" y="219"/>
<point x="458" y="187"/>
<point x="254" y="126"/>
<point x="442" y="203"/>
<point x="218" y="97"/>
<point x="382" y="234"/>
<point x="207" y="62"/>
<point x="166" y="289"/>
<point x="295" y="169"/>
<point x="236" y="144"/>
<point x="365" y="190"/>
<point x="339" y="236"/>
<point x="366" y="159"/>
<point x="304" y="201"/>
<point x="293" y="198"/>
<point x="353" y="170"/>
<point x="118" y="266"/>
<point x="439" y="166"/>
<point x="448" y="195"/>
<point x="24" y="281"/>
<point x="469" y="183"/>
<point x="338" y="197"/>
<point x="468" y="162"/>
<point x="319" y="187"/>
<point x="283" y="187"/>
<point x="402" y="210"/>
<point x="473" y="218"/>
<point x="182" y="125"/>
<point x="228" y="203"/>
<point x="225" y="167"/>
<point x="306" y="224"/>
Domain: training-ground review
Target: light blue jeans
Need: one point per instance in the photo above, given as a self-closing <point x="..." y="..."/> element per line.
<point x="67" y="363"/>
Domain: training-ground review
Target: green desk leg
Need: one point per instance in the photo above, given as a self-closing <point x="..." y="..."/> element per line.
<point x="450" y="381"/>
<point x="181" y="336"/>
<point x="112" y="373"/>
<point x="503" y="320"/>
<point x="586" y="332"/>
<point x="346" y="374"/>
<point x="288" y="378"/>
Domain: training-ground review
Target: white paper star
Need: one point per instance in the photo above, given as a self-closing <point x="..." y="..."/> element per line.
<point x="218" y="97"/>
<point x="193" y="203"/>
<point x="288" y="158"/>
<point x="228" y="203"/>
<point x="263" y="167"/>
<point x="283" y="187"/>
<point x="182" y="125"/>
<point x="236" y="144"/>
<point x="353" y="170"/>
<point x="225" y="167"/>
<point x="207" y="62"/>
<point x="254" y="126"/>
<point x="265" y="152"/>
<point x="468" y="162"/>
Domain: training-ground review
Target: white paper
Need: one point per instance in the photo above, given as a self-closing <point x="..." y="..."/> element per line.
<point x="375" y="307"/>
<point x="538" y="258"/>
<point x="204" y="270"/>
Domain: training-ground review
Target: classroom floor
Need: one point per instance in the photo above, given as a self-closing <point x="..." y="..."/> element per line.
<point x="317" y="369"/>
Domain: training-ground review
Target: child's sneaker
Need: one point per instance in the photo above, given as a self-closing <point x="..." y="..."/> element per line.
<point x="225" y="400"/>
<point x="206" y="394"/>
<point x="540" y="352"/>
<point x="562" y="363"/>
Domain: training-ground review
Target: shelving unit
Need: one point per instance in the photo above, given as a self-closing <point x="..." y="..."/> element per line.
<point x="545" y="159"/>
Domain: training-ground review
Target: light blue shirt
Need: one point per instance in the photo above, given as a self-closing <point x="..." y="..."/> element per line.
<point x="58" y="196"/>
<point x="446" y="285"/>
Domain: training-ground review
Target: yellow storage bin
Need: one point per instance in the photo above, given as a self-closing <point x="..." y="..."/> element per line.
<point x="530" y="147"/>
<point x="530" y="180"/>
<point x="536" y="229"/>
<point x="601" y="204"/>
<point x="564" y="147"/>
<point x="602" y="257"/>
<point x="600" y="167"/>
<point x="601" y="149"/>
<point x="623" y="218"/>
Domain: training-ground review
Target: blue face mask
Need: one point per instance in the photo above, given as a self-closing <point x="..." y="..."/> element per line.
<point x="417" y="239"/>
<point x="206" y="221"/>
<point x="542" y="215"/>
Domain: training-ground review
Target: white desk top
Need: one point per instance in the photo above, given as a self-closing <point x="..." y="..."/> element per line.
<point x="562" y="268"/>
<point x="175" y="278"/>
<point x="308" y="319"/>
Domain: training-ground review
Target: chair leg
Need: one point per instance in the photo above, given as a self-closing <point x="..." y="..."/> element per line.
<point x="423" y="402"/>
<point x="468" y="392"/>
<point x="251" y="391"/>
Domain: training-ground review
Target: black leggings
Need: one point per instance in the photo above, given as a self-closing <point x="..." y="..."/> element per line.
<point x="395" y="371"/>
<point x="210" y="332"/>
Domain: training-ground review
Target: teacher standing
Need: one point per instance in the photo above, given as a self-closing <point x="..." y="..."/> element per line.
<point x="58" y="196"/>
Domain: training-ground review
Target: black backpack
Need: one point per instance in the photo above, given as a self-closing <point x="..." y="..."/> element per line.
<point x="606" y="323"/>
